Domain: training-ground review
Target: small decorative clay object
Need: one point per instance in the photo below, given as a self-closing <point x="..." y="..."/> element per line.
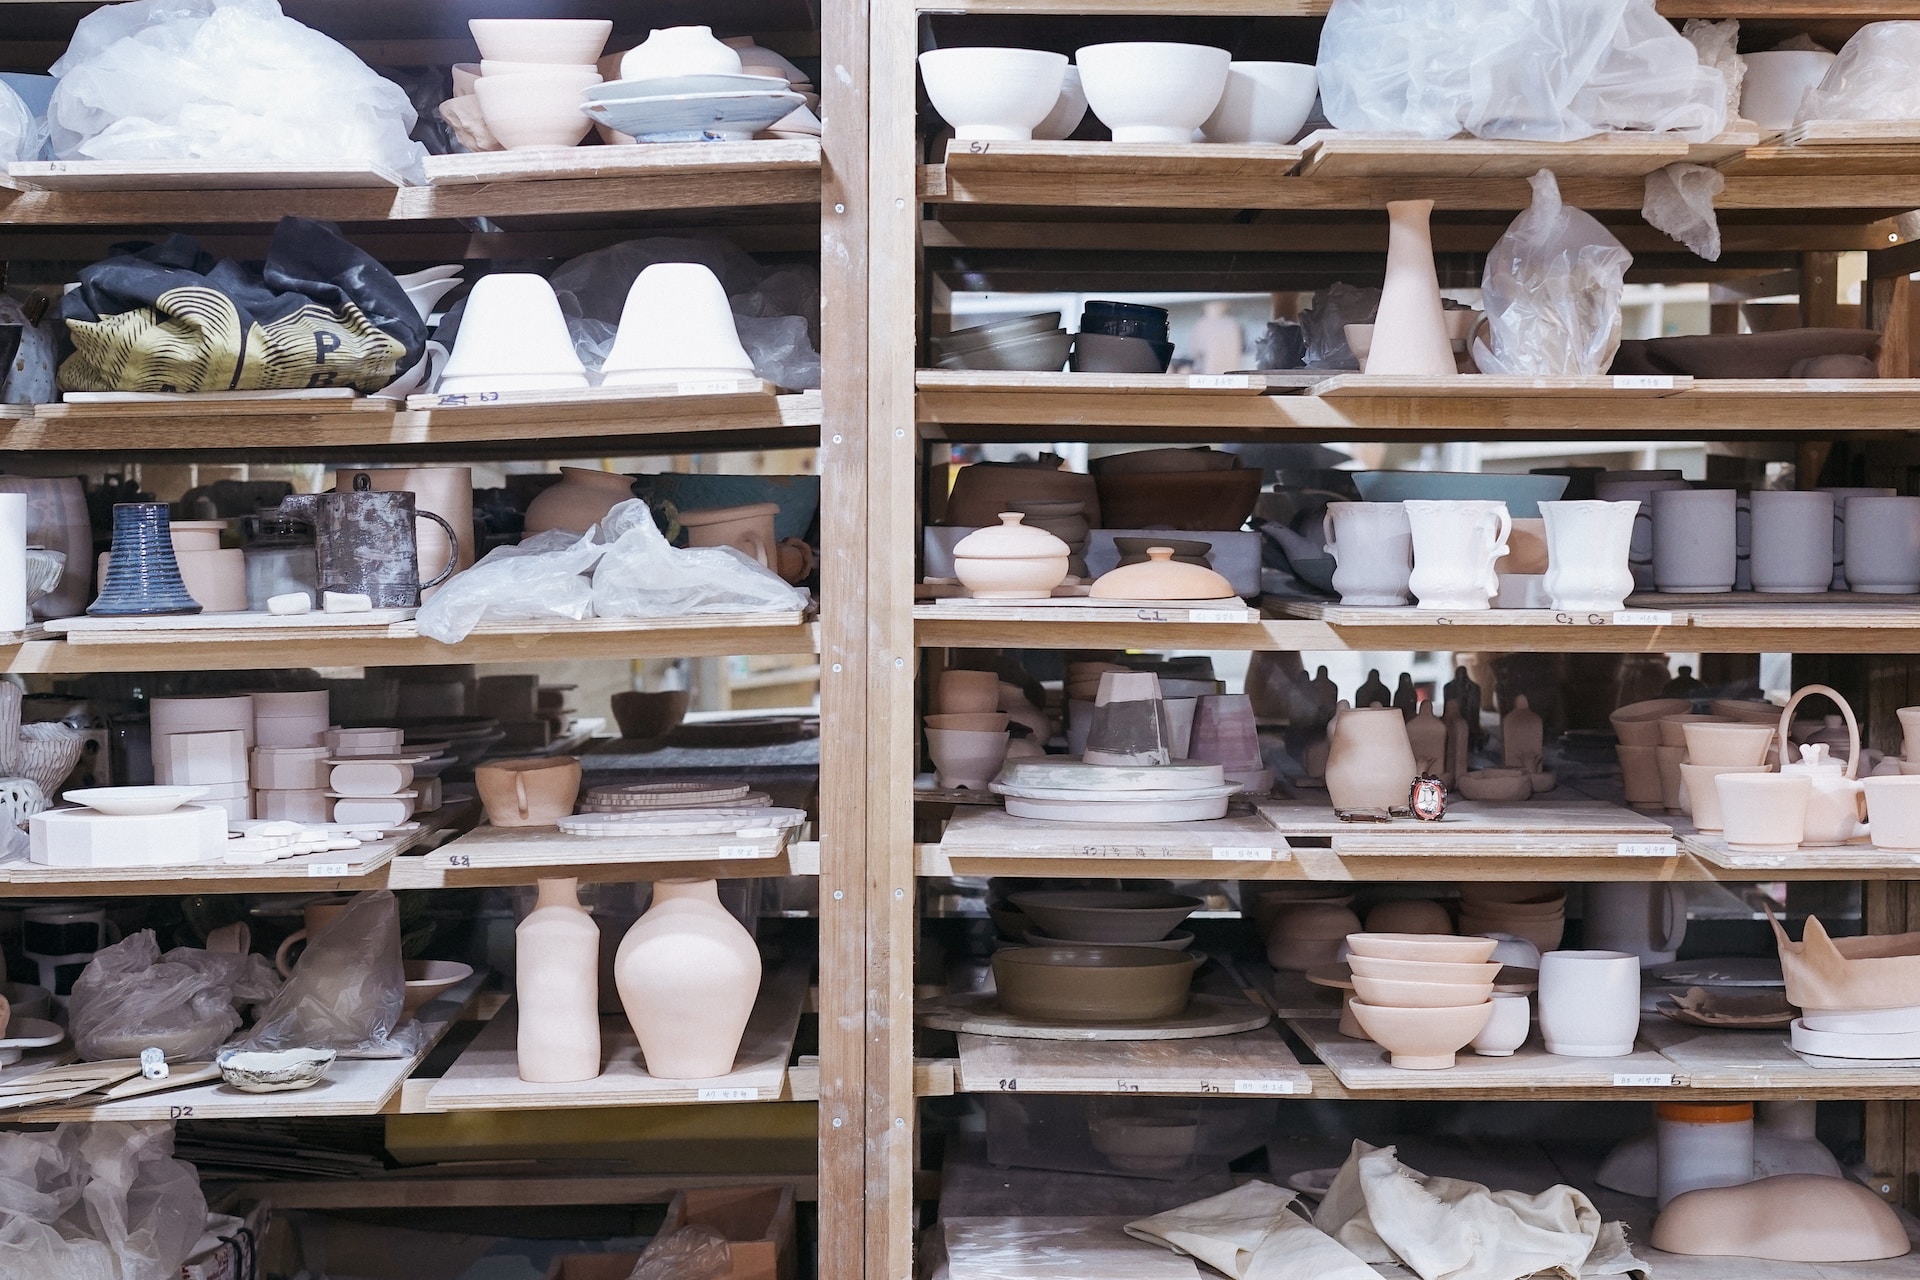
<point x="688" y="975"/>
<point x="1409" y="915"/>
<point x="536" y="109"/>
<point x="555" y="41"/>
<point x="1091" y="983"/>
<point x="534" y="792"/>
<point x="1406" y="699"/>
<point x="557" y="980"/>
<point x="1588" y="546"/>
<point x="966" y="758"/>
<point x="580" y="501"/>
<point x="1409" y="329"/>
<point x="679" y="51"/>
<point x="1263" y="102"/>
<point x="143" y="577"/>
<point x="1589" y="1003"/>
<point x="1127" y="728"/>
<point x="1427" y="735"/>
<point x="274" y="1071"/>
<point x="1372" y="692"/>
<point x="1793" y="1218"/>
<point x="1148" y="91"/>
<point x="1459" y="755"/>
<point x="994" y="94"/>
<point x="1370" y="764"/>
<point x="1505" y="785"/>
<point x="1422" y="1039"/>
<point x="512" y="337"/>
<point x="1010" y="562"/>
<point x="1455" y="545"/>
<point x="1522" y="740"/>
<point x="1161" y="579"/>
<point x="1507" y="1026"/>
<point x="1722" y="742"/>
<point x="676" y="326"/>
<point x="1372" y="548"/>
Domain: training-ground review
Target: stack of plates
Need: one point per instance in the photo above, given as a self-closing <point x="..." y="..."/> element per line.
<point x="675" y="795"/>
<point x="696" y="108"/>
<point x="1875" y="1034"/>
<point x="1032" y="343"/>
<point x="1066" y="789"/>
<point x="683" y="822"/>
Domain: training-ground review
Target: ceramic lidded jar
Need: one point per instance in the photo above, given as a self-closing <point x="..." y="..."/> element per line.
<point x="1369" y="760"/>
<point x="679" y="51"/>
<point x="688" y="974"/>
<point x="1011" y="561"/>
<point x="557" y="979"/>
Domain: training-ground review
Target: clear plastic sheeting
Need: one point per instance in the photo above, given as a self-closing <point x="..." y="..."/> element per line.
<point x="1326" y="324"/>
<point x="185" y="1003"/>
<point x="1718" y="44"/>
<point x="347" y="988"/>
<point x="1552" y="290"/>
<point x="1530" y="70"/>
<point x="227" y="80"/>
<point x="21" y="132"/>
<point x="644" y="576"/>
<point x="691" y="1253"/>
<point x="542" y="578"/>
<point x="1679" y="201"/>
<point x="98" y="1201"/>
<point x="1877" y="77"/>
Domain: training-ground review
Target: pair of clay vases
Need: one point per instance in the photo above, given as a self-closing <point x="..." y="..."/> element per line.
<point x="687" y="973"/>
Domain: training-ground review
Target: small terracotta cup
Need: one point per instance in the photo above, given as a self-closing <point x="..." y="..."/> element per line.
<point x="1704" y="795"/>
<point x="1718" y="742"/>
<point x="1764" y="812"/>
<point x="962" y="692"/>
<point x="536" y="791"/>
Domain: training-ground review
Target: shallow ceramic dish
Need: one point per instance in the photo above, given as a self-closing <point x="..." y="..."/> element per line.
<point x="1178" y="940"/>
<point x="1523" y="494"/>
<point x="693" y="117"/>
<point x="1093" y="983"/>
<point x="1425" y="947"/>
<point x="28" y="1033"/>
<point x="254" y="1071"/>
<point x="428" y="978"/>
<point x="133" y="801"/>
<point x="677" y="86"/>
<point x="1033" y="353"/>
<point x="1898" y="1045"/>
<point x="1422" y="1039"/>
<point x="1105" y="915"/>
<point x="1390" y="993"/>
<point x="1420" y="970"/>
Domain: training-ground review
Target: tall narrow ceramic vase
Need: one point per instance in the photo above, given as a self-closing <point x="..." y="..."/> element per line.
<point x="557" y="964"/>
<point x="143" y="578"/>
<point x="688" y="974"/>
<point x="1410" y="330"/>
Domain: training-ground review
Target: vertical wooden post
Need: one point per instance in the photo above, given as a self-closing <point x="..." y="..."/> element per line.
<point x="1819" y="290"/>
<point x="1892" y="1152"/>
<point x="1890" y="310"/>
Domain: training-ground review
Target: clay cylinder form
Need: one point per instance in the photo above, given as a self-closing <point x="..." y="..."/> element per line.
<point x="688" y="974"/>
<point x="557" y="978"/>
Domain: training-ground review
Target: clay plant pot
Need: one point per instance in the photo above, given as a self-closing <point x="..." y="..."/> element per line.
<point x="1507" y="1027"/>
<point x="748" y="530"/>
<point x="1304" y="935"/>
<point x="512" y="337"/>
<point x="966" y="758"/>
<point x="1721" y="741"/>
<point x="1409" y="915"/>
<point x="1152" y="91"/>
<point x="534" y="792"/>
<point x="1764" y="812"/>
<point x="1369" y="760"/>
<point x="1105" y="915"/>
<point x="643" y="716"/>
<point x="1638" y="723"/>
<point x="961" y="692"/>
<point x="1704" y="794"/>
<point x="1263" y="102"/>
<point x="1422" y="1039"/>
<point x="1093" y="984"/>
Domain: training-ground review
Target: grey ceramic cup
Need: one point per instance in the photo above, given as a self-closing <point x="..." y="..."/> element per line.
<point x="1792" y="541"/>
<point x="1883" y="545"/>
<point x="1694" y="549"/>
<point x="1840" y="498"/>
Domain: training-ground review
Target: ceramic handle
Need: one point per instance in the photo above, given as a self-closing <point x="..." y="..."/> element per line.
<point x="1642" y="514"/>
<point x="1326" y="534"/>
<point x="520" y="794"/>
<point x="757" y="548"/>
<point x="1853" y="726"/>
<point x="453" y="549"/>
<point x="1666" y="932"/>
<point x="1742" y="529"/>
<point x="280" y="961"/>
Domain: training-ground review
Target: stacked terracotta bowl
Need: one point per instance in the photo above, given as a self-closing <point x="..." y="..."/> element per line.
<point x="1534" y="912"/>
<point x="526" y="91"/>
<point x="1101" y="956"/>
<point x="968" y="737"/>
<point x="1421" y="997"/>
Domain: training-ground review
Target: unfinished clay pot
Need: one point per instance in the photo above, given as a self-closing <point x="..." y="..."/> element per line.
<point x="1880" y="971"/>
<point x="1127" y="728"/>
<point x="1764" y="812"/>
<point x="1160" y="578"/>
<point x="1637" y="724"/>
<point x="1702" y="793"/>
<point x="557" y="980"/>
<point x="1724" y="742"/>
<point x="1409" y="329"/>
<point x="1426" y="948"/>
<point x="1369" y="761"/>
<point x="964" y="691"/>
<point x="1794" y="1218"/>
<point x="536" y="791"/>
<point x="1303" y="935"/>
<point x="1010" y="561"/>
<point x="1093" y="983"/>
<point x="1105" y="915"/>
<point x="966" y="758"/>
<point x="688" y="975"/>
<point x="1409" y="915"/>
<point x="1522" y="737"/>
<point x="1422" y="1039"/>
<point x="583" y="496"/>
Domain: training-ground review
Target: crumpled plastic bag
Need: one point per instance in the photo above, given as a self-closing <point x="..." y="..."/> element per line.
<point x="1679" y="201"/>
<point x="1873" y="79"/>
<point x="643" y="576"/>
<point x="1718" y="44"/>
<point x="130" y="997"/>
<point x="1532" y="70"/>
<point x="1552" y="289"/>
<point x="540" y="578"/>
<point x="223" y="80"/>
<point x="347" y="988"/>
<point x="1326" y="324"/>
<point x="97" y="1201"/>
<point x="21" y="132"/>
<point x="766" y="303"/>
<point x="691" y="1253"/>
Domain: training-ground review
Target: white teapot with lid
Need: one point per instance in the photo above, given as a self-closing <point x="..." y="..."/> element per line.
<point x="1837" y="807"/>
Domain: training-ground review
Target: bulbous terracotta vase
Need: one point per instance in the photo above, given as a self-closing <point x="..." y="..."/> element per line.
<point x="579" y="501"/>
<point x="557" y="977"/>
<point x="688" y="974"/>
<point x="1370" y="762"/>
<point x="1410" y="329"/>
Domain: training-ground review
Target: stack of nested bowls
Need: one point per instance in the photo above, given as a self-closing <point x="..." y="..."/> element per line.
<point x="1122" y="337"/>
<point x="1098" y="955"/>
<point x="1421" y="997"/>
<point x="1128" y="917"/>
<point x="526" y="91"/>
<point x="1032" y="343"/>
<point x="1535" y="912"/>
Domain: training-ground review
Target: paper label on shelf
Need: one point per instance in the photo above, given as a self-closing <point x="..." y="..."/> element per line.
<point x="1219" y="381"/>
<point x="1646" y="849"/>
<point x="325" y="870"/>
<point x="454" y="400"/>
<point x="1243" y="853"/>
<point x="705" y="388"/>
<point x="1642" y="382"/>
<point x="1263" y="1086"/>
<point x="739" y="851"/>
<point x="728" y="1095"/>
<point x="1642" y="618"/>
<point x="1216" y="615"/>
<point x="1649" y="1080"/>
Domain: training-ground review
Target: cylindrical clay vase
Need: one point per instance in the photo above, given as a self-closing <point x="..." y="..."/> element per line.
<point x="557" y="964"/>
<point x="688" y="974"/>
<point x="1410" y="329"/>
<point x="1370" y="760"/>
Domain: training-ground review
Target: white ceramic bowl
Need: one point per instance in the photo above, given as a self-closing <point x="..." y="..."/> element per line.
<point x="536" y="109"/>
<point x="676" y="318"/>
<point x="1067" y="113"/>
<point x="502" y="67"/>
<point x="1263" y="102"/>
<point x="993" y="94"/>
<point x="1776" y="82"/>
<point x="512" y="338"/>
<point x="1153" y="91"/>
<point x="576" y="41"/>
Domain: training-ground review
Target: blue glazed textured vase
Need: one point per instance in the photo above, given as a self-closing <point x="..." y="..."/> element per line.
<point x="142" y="576"/>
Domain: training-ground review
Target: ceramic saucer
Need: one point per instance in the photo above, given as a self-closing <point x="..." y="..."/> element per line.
<point x="693" y="117"/>
<point x="133" y="801"/>
<point x="679" y="86"/>
<point x="28" y="1033"/>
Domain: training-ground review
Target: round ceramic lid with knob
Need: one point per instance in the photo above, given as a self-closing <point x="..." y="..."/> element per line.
<point x="1161" y="578"/>
<point x="1010" y="540"/>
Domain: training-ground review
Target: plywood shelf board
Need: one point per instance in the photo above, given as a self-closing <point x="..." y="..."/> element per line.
<point x="1343" y="153"/>
<point x="342" y="869"/>
<point x="487" y="854"/>
<point x="485" y="1076"/>
<point x="1525" y="829"/>
<point x="683" y="158"/>
<point x="990" y="833"/>
<point x="1362" y="1066"/>
<point x="1084" y="611"/>
<point x="1713" y="849"/>
<point x="1248" y="1063"/>
<point x="197" y="175"/>
<point x="1720" y="1058"/>
<point x="1375" y="386"/>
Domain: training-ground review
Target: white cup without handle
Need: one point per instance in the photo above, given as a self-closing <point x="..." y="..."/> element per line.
<point x="1840" y="498"/>
<point x="1589" y="1003"/>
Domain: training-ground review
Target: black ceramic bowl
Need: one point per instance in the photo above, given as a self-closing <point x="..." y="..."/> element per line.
<point x="1131" y="310"/>
<point x="1124" y="326"/>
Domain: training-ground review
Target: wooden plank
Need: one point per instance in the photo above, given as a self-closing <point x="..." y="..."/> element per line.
<point x="1527" y="829"/>
<point x="1345" y="153"/>
<point x="1361" y="1066"/>
<point x="1230" y="384"/>
<point x="183" y="404"/>
<point x="681" y="158"/>
<point x="1205" y="1017"/>
<point x="485" y="1076"/>
<point x="345" y="869"/>
<point x="1768" y="10"/>
<point x="197" y="175"/>
<point x="1082" y="610"/>
<point x="1763" y="1061"/>
<point x="719" y="395"/>
<point x="1251" y="1062"/>
<point x="1482" y="385"/>
<point x="989" y="833"/>
<point x="1811" y="618"/>
<point x="1009" y="169"/>
<point x="1712" y="848"/>
<point x="522" y="852"/>
<point x="240" y="627"/>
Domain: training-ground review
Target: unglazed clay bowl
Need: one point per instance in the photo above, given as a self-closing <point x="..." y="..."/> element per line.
<point x="1421" y="1039"/>
<point x="569" y="41"/>
<point x="641" y="714"/>
<point x="966" y="758"/>
<point x="1496" y="784"/>
<point x="259" y="1071"/>
<point x="1144" y="1144"/>
<point x="1152" y="91"/>
<point x="538" y="109"/>
<point x="426" y="979"/>
<point x="1105" y="915"/>
<point x="977" y="721"/>
<point x="1179" y="940"/>
<point x="1009" y="578"/>
<point x="1723" y="742"/>
<point x="1093" y="983"/>
<point x="1421" y="970"/>
<point x="1068" y="111"/>
<point x="1638" y="723"/>
<point x="1428" y="948"/>
<point x="1777" y="80"/>
<point x="991" y="93"/>
<point x="1409" y="915"/>
<point x="469" y="123"/>
<point x="1390" y="993"/>
<point x="1263" y="102"/>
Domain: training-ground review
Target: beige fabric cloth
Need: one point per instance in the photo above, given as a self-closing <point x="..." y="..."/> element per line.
<point x="1250" y="1233"/>
<point x="1450" y="1229"/>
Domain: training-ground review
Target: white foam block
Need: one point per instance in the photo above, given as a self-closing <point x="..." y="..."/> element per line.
<point x="290" y="603"/>
<point x="206" y="759"/>
<point x="86" y="838"/>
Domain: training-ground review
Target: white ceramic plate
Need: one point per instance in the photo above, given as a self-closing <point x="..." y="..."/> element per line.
<point x="1844" y="1044"/>
<point x="133" y="801"/>
<point x="28" y="1033"/>
<point x="681" y="822"/>
<point x="693" y="117"/>
<point x="1185" y="809"/>
<point x="678" y="86"/>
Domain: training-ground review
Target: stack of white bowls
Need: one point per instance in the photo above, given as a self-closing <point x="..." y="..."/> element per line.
<point x="1421" y="997"/>
<point x="526" y="91"/>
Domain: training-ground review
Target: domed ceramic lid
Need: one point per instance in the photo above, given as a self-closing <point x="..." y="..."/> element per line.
<point x="1011" y="540"/>
<point x="1161" y="578"/>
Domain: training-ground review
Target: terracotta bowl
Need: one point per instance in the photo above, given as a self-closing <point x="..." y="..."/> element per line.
<point x="1496" y="784"/>
<point x="1387" y="992"/>
<point x="1422" y="1039"/>
<point x="978" y="721"/>
<point x="1297" y="955"/>
<point x="1094" y="983"/>
<point x="1422" y="970"/>
<point x="1312" y="920"/>
<point x="1267" y="901"/>
<point x="426" y="979"/>
<point x="650" y="715"/>
<point x="1638" y="723"/>
<point x="1423" y="947"/>
<point x="1105" y="915"/>
<point x="1409" y="915"/>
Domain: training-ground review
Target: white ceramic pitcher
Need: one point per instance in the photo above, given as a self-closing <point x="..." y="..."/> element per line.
<point x="1587" y="548"/>
<point x="1455" y="545"/>
<point x="1372" y="551"/>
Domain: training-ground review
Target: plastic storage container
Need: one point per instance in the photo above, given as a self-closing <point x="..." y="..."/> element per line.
<point x="1174" y="1139"/>
<point x="1703" y="1145"/>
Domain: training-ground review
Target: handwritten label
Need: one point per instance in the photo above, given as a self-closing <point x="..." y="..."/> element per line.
<point x="1646" y="849"/>
<point x="1642" y="382"/>
<point x="977" y="147"/>
<point x="180" y="1113"/>
<point x="739" y="851"/>
<point x="1216" y="615"/>
<point x="1219" y="381"/>
<point x="1009" y="1084"/>
<point x="705" y="388"/>
<point x="1242" y="853"/>
<point x="1642" y="618"/>
<point x="325" y="870"/>
<point x="460" y="860"/>
<point x="1263" y="1086"/>
<point x="1651" y="1080"/>
<point x="728" y="1095"/>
